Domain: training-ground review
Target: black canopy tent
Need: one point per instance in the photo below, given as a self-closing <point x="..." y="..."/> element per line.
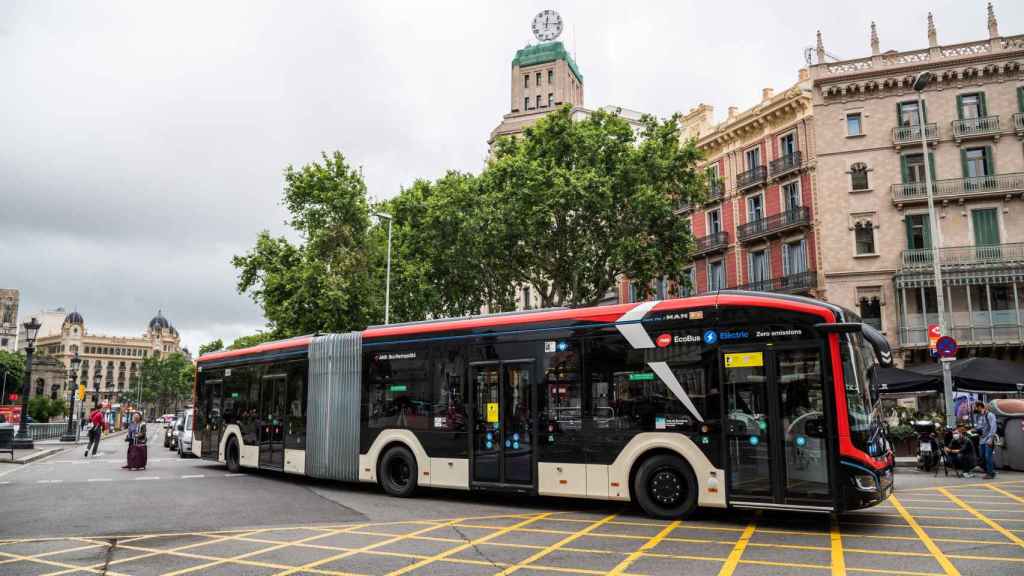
<point x="986" y="375"/>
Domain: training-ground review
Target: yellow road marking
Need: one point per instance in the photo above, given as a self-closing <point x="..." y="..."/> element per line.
<point x="944" y="562"/>
<point x="836" y="540"/>
<point x="549" y="549"/>
<point x="1009" y="535"/>
<point x="629" y="560"/>
<point x="68" y="567"/>
<point x="737" y="551"/>
<point x="961" y="486"/>
<point x="1004" y="493"/>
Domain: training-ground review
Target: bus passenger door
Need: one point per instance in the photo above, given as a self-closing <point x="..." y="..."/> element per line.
<point x="271" y="422"/>
<point x="776" y="426"/>
<point x="503" y="422"/>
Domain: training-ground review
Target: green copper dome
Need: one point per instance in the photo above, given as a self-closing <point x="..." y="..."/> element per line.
<point x="543" y="53"/>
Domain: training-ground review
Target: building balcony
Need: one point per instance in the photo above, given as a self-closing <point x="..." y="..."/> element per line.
<point x="716" y="189"/>
<point x="1018" y="124"/>
<point x="910" y="135"/>
<point x="980" y="127"/>
<point x="799" y="217"/>
<point x="756" y="176"/>
<point x="797" y="283"/>
<point x="785" y="164"/>
<point x="999" y="185"/>
<point x="711" y="244"/>
<point x="963" y="257"/>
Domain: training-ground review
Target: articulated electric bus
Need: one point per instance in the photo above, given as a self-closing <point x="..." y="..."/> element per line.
<point x="737" y="399"/>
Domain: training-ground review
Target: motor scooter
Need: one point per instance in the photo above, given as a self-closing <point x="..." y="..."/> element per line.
<point x="929" y="447"/>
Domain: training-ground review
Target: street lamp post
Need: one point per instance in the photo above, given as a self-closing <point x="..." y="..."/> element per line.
<point x="387" y="284"/>
<point x="920" y="83"/>
<point x="71" y="435"/>
<point x="23" y="440"/>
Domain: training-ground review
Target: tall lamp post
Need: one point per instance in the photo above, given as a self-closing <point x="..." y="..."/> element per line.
<point x="387" y="285"/>
<point x="920" y="83"/>
<point x="23" y="440"/>
<point x="71" y="435"/>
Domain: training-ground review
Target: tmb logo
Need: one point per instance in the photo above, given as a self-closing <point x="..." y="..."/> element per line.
<point x="664" y="340"/>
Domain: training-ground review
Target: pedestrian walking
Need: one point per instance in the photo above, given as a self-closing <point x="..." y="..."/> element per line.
<point x="95" y="432"/>
<point x="136" y="439"/>
<point x="986" y="423"/>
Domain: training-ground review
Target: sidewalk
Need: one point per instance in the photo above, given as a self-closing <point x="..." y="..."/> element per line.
<point x="45" y="448"/>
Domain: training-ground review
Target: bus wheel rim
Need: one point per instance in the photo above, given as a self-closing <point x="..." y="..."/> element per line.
<point x="666" y="487"/>
<point x="400" y="473"/>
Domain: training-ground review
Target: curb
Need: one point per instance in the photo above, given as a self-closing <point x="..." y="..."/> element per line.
<point x="37" y="456"/>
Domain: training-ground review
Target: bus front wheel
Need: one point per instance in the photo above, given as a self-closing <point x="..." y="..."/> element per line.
<point x="231" y="455"/>
<point x="398" y="472"/>
<point x="664" y="486"/>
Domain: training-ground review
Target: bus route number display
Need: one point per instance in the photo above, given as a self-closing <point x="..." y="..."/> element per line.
<point x="492" y="412"/>
<point x="744" y="360"/>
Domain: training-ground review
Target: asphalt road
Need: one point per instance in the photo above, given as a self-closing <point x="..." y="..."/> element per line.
<point x="72" y="515"/>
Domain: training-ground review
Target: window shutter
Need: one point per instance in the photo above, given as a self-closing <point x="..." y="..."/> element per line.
<point x="963" y="162"/>
<point x="959" y="107"/>
<point x="986" y="227"/>
<point x="931" y="164"/>
<point x="983" y="109"/>
<point x="899" y="113"/>
<point x="927" y="225"/>
<point x="903" y="168"/>
<point x="990" y="162"/>
<point x="1020" y="98"/>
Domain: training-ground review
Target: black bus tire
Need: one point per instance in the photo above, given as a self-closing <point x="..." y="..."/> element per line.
<point x="397" y="472"/>
<point x="665" y="487"/>
<point x="231" y="455"/>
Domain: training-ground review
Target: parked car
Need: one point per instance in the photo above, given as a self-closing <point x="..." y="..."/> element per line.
<point x="185" y="435"/>
<point x="166" y="419"/>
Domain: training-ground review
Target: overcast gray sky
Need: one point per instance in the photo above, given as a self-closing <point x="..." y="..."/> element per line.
<point x="142" y="144"/>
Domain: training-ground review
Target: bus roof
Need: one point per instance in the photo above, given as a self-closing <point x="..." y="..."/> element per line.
<point x="596" y="314"/>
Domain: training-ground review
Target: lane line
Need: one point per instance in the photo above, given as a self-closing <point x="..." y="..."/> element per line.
<point x="836" y="541"/>
<point x="944" y="562"/>
<point x="737" y="551"/>
<point x="549" y="549"/>
<point x="1009" y="535"/>
<point x="100" y="480"/>
<point x="1004" y="493"/>
<point x="960" y="486"/>
<point x="621" y="567"/>
<point x="234" y="475"/>
<point x="148" y="478"/>
<point x="193" y="476"/>
<point x="467" y="545"/>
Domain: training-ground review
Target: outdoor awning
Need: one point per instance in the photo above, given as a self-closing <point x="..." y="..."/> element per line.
<point x="899" y="382"/>
<point x="986" y="375"/>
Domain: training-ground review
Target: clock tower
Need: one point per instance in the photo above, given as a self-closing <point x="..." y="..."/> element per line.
<point x="544" y="77"/>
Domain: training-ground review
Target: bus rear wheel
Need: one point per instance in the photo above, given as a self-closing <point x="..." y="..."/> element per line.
<point x="398" y="472"/>
<point x="231" y="455"/>
<point x="664" y="486"/>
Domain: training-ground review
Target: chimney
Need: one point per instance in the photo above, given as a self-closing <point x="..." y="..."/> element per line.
<point x="805" y="74"/>
<point x="732" y="112"/>
<point x="766" y="94"/>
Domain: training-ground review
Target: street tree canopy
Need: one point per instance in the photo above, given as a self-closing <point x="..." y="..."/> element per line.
<point x="214" y="346"/>
<point x="567" y="208"/>
<point x="12" y="371"/>
<point x="167" y="381"/>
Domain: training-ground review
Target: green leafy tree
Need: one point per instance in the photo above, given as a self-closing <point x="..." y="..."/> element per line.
<point x="575" y="205"/>
<point x="250" y="340"/>
<point x="326" y="282"/>
<point x="167" y="381"/>
<point x="43" y="408"/>
<point x="12" y="373"/>
<point x="214" y="346"/>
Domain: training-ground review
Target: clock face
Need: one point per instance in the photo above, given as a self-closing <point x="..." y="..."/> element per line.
<point x="547" y="25"/>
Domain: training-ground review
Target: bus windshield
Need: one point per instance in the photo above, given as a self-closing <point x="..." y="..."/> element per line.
<point x="863" y="405"/>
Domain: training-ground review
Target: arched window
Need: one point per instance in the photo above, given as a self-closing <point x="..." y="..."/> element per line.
<point x="859" y="176"/>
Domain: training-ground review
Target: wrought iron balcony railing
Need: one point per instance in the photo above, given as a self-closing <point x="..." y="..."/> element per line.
<point x="1018" y="123"/>
<point x="756" y="176"/>
<point x="716" y="188"/>
<point x="784" y="164"/>
<point x="963" y="256"/>
<point x="997" y="185"/>
<point x="711" y="243"/>
<point x="793" y="283"/>
<point x="911" y="134"/>
<point x="796" y="217"/>
<point x="973" y="127"/>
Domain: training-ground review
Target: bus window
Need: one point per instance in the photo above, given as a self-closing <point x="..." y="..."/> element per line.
<point x="561" y="404"/>
<point x="399" y="389"/>
<point x="449" y="397"/>
<point x="295" y="438"/>
<point x="864" y="413"/>
<point x="240" y="401"/>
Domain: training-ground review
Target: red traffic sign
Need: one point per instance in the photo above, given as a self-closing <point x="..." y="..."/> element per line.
<point x="946" y="347"/>
<point x="934" y="333"/>
<point x="13" y="397"/>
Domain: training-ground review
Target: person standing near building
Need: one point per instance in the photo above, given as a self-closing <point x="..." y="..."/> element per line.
<point x="96" y="432"/>
<point x="986" y="424"/>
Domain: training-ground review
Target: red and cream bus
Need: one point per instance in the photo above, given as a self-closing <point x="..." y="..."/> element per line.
<point x="735" y="399"/>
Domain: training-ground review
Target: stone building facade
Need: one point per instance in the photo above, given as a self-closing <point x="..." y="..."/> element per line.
<point x="111" y="365"/>
<point x="875" y="232"/>
<point x="9" y="319"/>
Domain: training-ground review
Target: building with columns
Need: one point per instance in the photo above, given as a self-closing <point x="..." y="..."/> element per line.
<point x="9" y="299"/>
<point x="116" y="360"/>
<point x="875" y="233"/>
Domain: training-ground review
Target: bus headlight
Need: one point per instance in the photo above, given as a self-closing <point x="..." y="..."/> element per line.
<point x="865" y="482"/>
